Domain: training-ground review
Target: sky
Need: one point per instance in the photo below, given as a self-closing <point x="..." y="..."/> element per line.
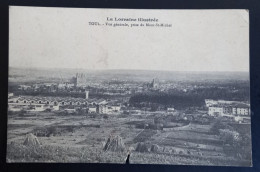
<point x="199" y="40"/>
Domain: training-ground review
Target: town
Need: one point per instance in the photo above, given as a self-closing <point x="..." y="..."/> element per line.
<point x="234" y="109"/>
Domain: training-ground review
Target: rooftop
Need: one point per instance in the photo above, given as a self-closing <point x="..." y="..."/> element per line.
<point x="237" y="105"/>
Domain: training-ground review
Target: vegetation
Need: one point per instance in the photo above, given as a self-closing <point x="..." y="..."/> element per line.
<point x="195" y="97"/>
<point x="217" y="125"/>
<point x="47" y="153"/>
<point x="236" y="140"/>
<point x="59" y="130"/>
<point x="144" y="135"/>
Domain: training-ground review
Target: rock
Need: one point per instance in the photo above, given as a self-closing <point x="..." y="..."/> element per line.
<point x="31" y="140"/>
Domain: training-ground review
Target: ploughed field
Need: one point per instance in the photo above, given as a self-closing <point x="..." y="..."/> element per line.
<point x="81" y="138"/>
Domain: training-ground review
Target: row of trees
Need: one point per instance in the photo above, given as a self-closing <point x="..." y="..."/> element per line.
<point x="194" y="97"/>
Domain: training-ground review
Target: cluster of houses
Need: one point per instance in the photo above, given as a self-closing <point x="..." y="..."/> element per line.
<point x="69" y="104"/>
<point x="227" y="108"/>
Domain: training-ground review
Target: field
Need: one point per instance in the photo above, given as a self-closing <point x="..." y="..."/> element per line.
<point x="81" y="138"/>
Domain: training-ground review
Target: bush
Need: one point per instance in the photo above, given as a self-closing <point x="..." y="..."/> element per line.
<point x="105" y="116"/>
<point x="217" y="125"/>
<point x="229" y="137"/>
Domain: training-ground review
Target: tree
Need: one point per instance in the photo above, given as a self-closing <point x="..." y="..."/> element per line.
<point x="219" y="124"/>
<point x="229" y="137"/>
<point x="105" y="116"/>
<point x="216" y="126"/>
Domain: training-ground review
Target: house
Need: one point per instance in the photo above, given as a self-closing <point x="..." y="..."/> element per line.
<point x="169" y="110"/>
<point x="92" y="109"/>
<point x="10" y="95"/>
<point x="70" y="110"/>
<point x="108" y="109"/>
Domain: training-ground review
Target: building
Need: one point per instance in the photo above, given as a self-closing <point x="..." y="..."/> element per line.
<point x="99" y="102"/>
<point x="169" y="110"/>
<point x="154" y="84"/>
<point x="116" y="108"/>
<point x="241" y="109"/>
<point x="210" y="102"/>
<point x="92" y="109"/>
<point x="65" y="85"/>
<point x="103" y="109"/>
<point x="86" y="94"/>
<point x="61" y="101"/>
<point x="108" y="109"/>
<point x="234" y="109"/>
<point x="31" y="107"/>
<point x="10" y="95"/>
<point x="39" y="103"/>
<point x="42" y="103"/>
<point x="80" y="80"/>
<point x="216" y="110"/>
<point x="69" y="110"/>
<point x="24" y="87"/>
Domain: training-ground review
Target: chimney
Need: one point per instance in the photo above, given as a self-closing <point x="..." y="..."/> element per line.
<point x="86" y="94"/>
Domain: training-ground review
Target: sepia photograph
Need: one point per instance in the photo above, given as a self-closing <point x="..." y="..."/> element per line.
<point x="136" y="86"/>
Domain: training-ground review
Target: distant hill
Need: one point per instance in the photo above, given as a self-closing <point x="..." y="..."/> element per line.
<point x="32" y="74"/>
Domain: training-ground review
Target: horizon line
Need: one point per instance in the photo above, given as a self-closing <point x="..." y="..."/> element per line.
<point x="67" y="68"/>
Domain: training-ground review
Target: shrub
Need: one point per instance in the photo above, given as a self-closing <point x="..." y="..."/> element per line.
<point x="105" y="116"/>
<point x="217" y="125"/>
<point x="229" y="137"/>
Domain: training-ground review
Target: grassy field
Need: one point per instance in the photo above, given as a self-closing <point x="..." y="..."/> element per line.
<point x="70" y="138"/>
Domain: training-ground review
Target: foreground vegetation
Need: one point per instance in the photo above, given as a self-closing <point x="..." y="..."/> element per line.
<point x="178" y="138"/>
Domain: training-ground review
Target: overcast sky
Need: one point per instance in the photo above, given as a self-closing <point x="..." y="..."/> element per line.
<point x="199" y="40"/>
